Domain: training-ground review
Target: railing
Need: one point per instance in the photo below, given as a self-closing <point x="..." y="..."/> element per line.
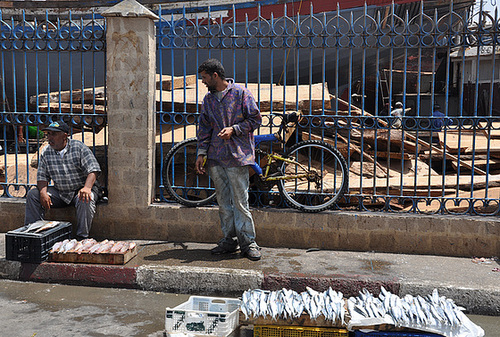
<point x="345" y="70"/>
<point x="51" y="68"/>
<point x="337" y="68"/>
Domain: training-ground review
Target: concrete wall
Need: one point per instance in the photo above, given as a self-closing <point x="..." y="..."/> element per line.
<point x="407" y="233"/>
<point x="131" y="213"/>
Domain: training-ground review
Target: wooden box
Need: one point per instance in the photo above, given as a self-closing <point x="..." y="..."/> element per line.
<point x="100" y="258"/>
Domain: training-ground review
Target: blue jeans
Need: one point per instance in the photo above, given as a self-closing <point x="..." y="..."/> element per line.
<point x="84" y="210"/>
<point x="231" y="186"/>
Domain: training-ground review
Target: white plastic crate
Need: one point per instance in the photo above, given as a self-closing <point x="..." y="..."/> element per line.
<point x="203" y="316"/>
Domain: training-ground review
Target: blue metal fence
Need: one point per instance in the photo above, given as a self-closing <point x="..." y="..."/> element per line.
<point x="345" y="71"/>
<point x="51" y="68"/>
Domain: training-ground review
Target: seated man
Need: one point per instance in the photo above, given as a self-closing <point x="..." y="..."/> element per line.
<point x="73" y="169"/>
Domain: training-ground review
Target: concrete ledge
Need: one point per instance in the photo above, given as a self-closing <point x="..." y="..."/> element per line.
<point x="198" y="280"/>
<point x="444" y="235"/>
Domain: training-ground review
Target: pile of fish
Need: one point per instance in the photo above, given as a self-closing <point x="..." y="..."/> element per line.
<point x="91" y="246"/>
<point x="429" y="310"/>
<point x="433" y="313"/>
<point x="286" y="304"/>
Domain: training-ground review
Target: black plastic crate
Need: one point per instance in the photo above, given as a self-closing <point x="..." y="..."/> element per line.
<point x="358" y="333"/>
<point x="34" y="247"/>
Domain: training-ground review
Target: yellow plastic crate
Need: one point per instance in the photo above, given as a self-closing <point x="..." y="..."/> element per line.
<point x="297" y="331"/>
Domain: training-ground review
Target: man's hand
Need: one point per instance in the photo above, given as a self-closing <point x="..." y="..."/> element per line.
<point x="44" y="195"/>
<point x="45" y="200"/>
<point x="200" y="164"/>
<point x="85" y="194"/>
<point x="226" y="133"/>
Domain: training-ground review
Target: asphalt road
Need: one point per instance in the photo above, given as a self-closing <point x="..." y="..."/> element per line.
<point x="51" y="310"/>
<point x="43" y="310"/>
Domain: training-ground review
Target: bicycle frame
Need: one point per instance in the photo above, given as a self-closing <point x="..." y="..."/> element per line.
<point x="264" y="175"/>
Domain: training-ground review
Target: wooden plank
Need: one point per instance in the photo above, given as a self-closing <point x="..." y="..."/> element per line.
<point x="368" y="170"/>
<point x="344" y="106"/>
<point x="493" y="131"/>
<point x="456" y="142"/>
<point x="75" y="108"/>
<point x="421" y="181"/>
<point x="365" y="155"/>
<point x="392" y="155"/>
<point x="165" y="82"/>
<point x="97" y="94"/>
<point x="343" y="148"/>
<point x="446" y="154"/>
<point x="423" y="144"/>
<point x="481" y="163"/>
<point x="75" y="96"/>
<point x="406" y="192"/>
<point x="494" y="149"/>
<point x="305" y="97"/>
<point x="266" y="96"/>
<point x="429" y="146"/>
<point x="392" y="139"/>
<point x="101" y="258"/>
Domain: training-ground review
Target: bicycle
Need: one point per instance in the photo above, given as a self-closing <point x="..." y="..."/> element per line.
<point x="311" y="175"/>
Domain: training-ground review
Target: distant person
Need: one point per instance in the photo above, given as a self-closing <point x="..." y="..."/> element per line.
<point x="385" y="110"/>
<point x="397" y="115"/>
<point x="73" y="169"/>
<point x="229" y="115"/>
<point x="440" y="120"/>
<point x="384" y="113"/>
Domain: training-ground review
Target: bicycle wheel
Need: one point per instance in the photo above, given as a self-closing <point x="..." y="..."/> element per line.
<point x="318" y="180"/>
<point x="183" y="184"/>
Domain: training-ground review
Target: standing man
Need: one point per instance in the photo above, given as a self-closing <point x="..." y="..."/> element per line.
<point x="73" y="169"/>
<point x="228" y="117"/>
<point x="398" y="114"/>
<point x="440" y="120"/>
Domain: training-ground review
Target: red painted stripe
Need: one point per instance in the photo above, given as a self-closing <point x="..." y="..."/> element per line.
<point x="349" y="285"/>
<point x="303" y="7"/>
<point x="82" y="274"/>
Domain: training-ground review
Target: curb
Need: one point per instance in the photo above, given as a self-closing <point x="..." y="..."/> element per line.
<point x="477" y="301"/>
<point x="233" y="282"/>
<point x="198" y="280"/>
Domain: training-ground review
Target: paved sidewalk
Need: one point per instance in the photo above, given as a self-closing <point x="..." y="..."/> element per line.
<point x="190" y="268"/>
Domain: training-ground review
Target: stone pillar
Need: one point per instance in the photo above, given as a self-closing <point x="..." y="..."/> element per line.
<point x="130" y="84"/>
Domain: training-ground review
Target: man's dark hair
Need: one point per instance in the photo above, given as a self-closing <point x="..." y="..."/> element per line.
<point x="212" y="66"/>
<point x="437" y="107"/>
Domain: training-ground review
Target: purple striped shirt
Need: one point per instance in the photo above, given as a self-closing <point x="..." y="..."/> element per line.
<point x="237" y="108"/>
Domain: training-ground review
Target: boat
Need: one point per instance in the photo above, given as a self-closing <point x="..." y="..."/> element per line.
<point x="241" y="10"/>
<point x="339" y="63"/>
<point x="256" y="60"/>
